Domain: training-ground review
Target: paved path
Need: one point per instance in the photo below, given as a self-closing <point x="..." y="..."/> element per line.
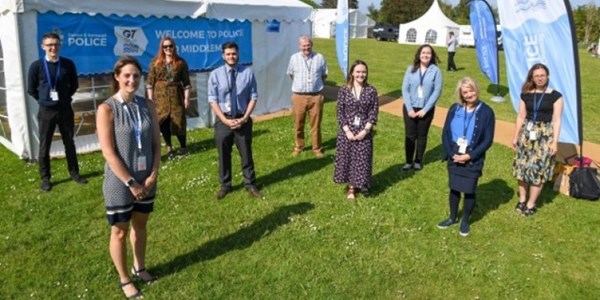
<point x="503" y="135"/>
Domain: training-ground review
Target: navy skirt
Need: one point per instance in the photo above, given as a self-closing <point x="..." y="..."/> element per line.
<point x="461" y="183"/>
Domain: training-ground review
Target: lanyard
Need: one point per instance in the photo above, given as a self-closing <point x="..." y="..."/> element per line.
<point x="137" y="122"/>
<point x="467" y="119"/>
<point x="355" y="94"/>
<point x="536" y="104"/>
<point x="422" y="76"/>
<point x="308" y="66"/>
<point x="53" y="87"/>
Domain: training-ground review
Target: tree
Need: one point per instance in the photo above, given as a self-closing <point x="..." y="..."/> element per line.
<point x="312" y="3"/>
<point x="460" y="13"/>
<point x="333" y="4"/>
<point x="402" y="11"/>
<point x="591" y="21"/>
<point x="373" y="12"/>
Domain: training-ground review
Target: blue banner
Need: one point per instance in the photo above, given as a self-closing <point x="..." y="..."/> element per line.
<point x="486" y="42"/>
<point x="342" y="35"/>
<point x="540" y="32"/>
<point x="94" y="43"/>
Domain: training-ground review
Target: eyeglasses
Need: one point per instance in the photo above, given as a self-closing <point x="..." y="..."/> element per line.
<point x="170" y="46"/>
<point x="51" y="45"/>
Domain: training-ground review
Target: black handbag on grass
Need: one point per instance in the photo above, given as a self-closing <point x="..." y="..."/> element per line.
<point x="584" y="183"/>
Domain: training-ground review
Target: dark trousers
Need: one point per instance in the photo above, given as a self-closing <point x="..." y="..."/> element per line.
<point x="165" y="130"/>
<point x="415" y="132"/>
<point x="225" y="137"/>
<point x="48" y="119"/>
<point x="451" y="64"/>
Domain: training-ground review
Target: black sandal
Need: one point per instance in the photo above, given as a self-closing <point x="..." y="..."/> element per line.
<point x="136" y="273"/>
<point x="521" y="207"/>
<point x="138" y="295"/>
<point x="528" y="212"/>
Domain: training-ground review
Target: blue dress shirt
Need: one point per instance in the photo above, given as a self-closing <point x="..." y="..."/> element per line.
<point x="219" y="87"/>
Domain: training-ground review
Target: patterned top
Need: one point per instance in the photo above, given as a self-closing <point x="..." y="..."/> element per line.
<point x="308" y="72"/>
<point x="116" y="194"/>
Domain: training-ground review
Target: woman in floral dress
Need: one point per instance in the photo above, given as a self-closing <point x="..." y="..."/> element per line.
<point x="357" y="109"/>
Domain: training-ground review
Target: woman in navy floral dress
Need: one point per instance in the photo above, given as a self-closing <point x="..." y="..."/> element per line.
<point x="357" y="109"/>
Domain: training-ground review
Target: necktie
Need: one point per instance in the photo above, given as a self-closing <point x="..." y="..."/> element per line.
<point x="233" y="93"/>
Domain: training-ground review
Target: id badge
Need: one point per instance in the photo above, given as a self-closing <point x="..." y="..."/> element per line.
<point x="228" y="106"/>
<point x="54" y="95"/>
<point x="356" y="121"/>
<point x="530" y="126"/>
<point x="141" y="163"/>
<point x="462" y="145"/>
<point x="532" y="135"/>
<point x="420" y="92"/>
<point x="309" y="79"/>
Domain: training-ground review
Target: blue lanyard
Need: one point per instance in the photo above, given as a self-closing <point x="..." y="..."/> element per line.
<point x="48" y="73"/>
<point x="422" y="76"/>
<point x="467" y="119"/>
<point x="137" y="122"/>
<point x="537" y="104"/>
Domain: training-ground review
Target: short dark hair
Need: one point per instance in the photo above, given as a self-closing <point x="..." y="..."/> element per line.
<point x="451" y="33"/>
<point x="229" y="45"/>
<point x="50" y="35"/>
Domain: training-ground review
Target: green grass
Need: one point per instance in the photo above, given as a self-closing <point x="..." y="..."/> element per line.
<point x="304" y="240"/>
<point x="388" y="61"/>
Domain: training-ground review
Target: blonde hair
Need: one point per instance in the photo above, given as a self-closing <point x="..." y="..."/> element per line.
<point x="468" y="82"/>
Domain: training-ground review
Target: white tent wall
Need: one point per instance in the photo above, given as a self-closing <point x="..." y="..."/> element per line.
<point x="16" y="107"/>
<point x="324" y="23"/>
<point x="433" y="21"/>
<point x="271" y="52"/>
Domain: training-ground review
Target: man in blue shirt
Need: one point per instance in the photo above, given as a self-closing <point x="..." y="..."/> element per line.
<point x="52" y="81"/>
<point x="232" y="96"/>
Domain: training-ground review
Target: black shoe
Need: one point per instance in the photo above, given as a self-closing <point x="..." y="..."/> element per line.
<point x="407" y="167"/>
<point x="418" y="166"/>
<point x="254" y="192"/>
<point x="528" y="212"/>
<point x="447" y="223"/>
<point x="521" y="207"/>
<point x="45" y="185"/>
<point x="79" y="179"/>
<point x="137" y="295"/>
<point x="223" y="192"/>
<point x="147" y="280"/>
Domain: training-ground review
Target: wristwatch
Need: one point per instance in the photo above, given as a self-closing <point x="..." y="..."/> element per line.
<point x="130" y="182"/>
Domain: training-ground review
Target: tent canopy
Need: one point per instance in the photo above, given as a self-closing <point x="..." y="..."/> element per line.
<point x="275" y="28"/>
<point x="431" y="28"/>
<point x="255" y="10"/>
<point x="324" y="23"/>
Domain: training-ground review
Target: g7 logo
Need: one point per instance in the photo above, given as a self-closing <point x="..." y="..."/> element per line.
<point x="129" y="34"/>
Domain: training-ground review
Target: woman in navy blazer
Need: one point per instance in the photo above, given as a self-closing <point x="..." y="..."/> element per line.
<point x="468" y="133"/>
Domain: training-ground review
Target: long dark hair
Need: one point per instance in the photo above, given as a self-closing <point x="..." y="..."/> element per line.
<point x="350" y="79"/>
<point x="122" y="62"/>
<point x="417" y="61"/>
<point x="529" y="84"/>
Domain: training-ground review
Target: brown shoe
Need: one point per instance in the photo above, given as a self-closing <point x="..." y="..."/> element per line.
<point x="254" y="192"/>
<point x="318" y="154"/>
<point x="296" y="152"/>
<point x="223" y="192"/>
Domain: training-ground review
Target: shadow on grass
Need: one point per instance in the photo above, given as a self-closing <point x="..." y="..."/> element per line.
<point x="88" y="176"/>
<point x="241" y="239"/>
<point x="394" y="173"/>
<point x="497" y="89"/>
<point x="299" y="167"/>
<point x="490" y="196"/>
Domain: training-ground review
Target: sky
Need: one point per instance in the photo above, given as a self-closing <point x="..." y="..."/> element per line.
<point x="363" y="4"/>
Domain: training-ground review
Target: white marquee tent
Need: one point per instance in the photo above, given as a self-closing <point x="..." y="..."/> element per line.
<point x="324" y="23"/>
<point x="432" y="28"/>
<point x="19" y="47"/>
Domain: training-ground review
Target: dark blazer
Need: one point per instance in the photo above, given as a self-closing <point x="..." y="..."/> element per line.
<point x="483" y="137"/>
